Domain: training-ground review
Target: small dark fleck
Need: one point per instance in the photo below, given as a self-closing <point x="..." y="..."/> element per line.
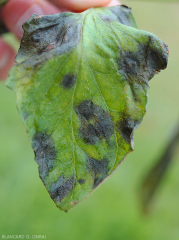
<point x="45" y="153"/>
<point x="69" y="81"/>
<point x="81" y="181"/>
<point x="60" y="189"/>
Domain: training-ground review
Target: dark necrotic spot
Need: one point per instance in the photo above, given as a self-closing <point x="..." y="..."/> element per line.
<point x="97" y="181"/>
<point x="98" y="168"/>
<point x="88" y="133"/>
<point x="68" y="81"/>
<point x="96" y="124"/>
<point x="157" y="59"/>
<point x="130" y="66"/>
<point x="60" y="189"/>
<point x="118" y="13"/>
<point x="81" y="181"/>
<point x="127" y="125"/>
<point x="60" y="32"/>
<point x="36" y="37"/>
<point x="41" y="38"/>
<point x="60" y="35"/>
<point x="45" y="153"/>
<point x="86" y="109"/>
<point x="129" y="62"/>
<point x="149" y="59"/>
<point x="68" y="36"/>
<point x="127" y="131"/>
<point x="135" y="66"/>
<point x="122" y="14"/>
<point x="140" y="66"/>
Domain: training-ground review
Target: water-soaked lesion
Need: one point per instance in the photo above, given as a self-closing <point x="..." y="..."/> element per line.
<point x="68" y="81"/>
<point x="96" y="124"/>
<point x="45" y="153"/>
<point x="62" y="188"/>
<point x="98" y="169"/>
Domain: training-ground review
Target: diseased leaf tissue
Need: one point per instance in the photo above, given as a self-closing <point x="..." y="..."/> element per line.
<point x="81" y="82"/>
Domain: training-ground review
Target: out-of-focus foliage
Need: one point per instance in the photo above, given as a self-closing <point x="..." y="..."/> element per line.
<point x="157" y="173"/>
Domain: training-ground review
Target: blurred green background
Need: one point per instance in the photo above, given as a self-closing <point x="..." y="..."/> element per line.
<point x="113" y="211"/>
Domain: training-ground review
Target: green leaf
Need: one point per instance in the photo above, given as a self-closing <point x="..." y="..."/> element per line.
<point x="81" y="84"/>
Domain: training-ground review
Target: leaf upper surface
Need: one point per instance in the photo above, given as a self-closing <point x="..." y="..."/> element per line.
<point x="81" y="83"/>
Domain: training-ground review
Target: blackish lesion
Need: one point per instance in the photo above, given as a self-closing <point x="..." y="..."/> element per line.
<point x="129" y="63"/>
<point x="141" y="65"/>
<point x="41" y="39"/>
<point x="156" y="60"/>
<point x="62" y="188"/>
<point x="69" y="81"/>
<point x="81" y="181"/>
<point x="130" y="66"/>
<point x="61" y="32"/>
<point x="98" y="169"/>
<point x="126" y="125"/>
<point x="120" y="14"/>
<point x="96" y="124"/>
<point x="45" y="153"/>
